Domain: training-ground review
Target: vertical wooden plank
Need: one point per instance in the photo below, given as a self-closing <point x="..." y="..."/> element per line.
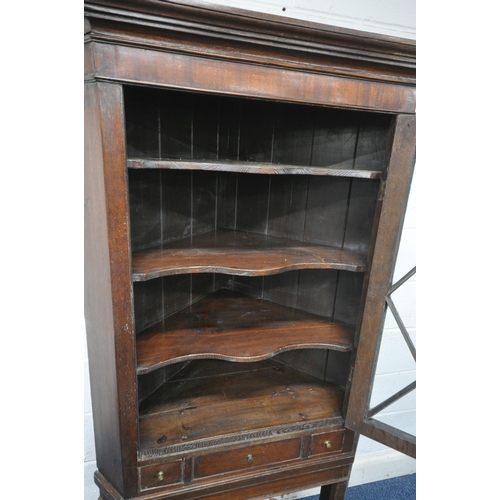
<point x="334" y="141"/>
<point x="176" y="293"/>
<point x="226" y="200"/>
<point x="372" y="141"/>
<point x="229" y="128"/>
<point x="287" y="206"/>
<point x="282" y="288"/>
<point x="335" y="491"/>
<point x="293" y="135"/>
<point x="256" y="131"/>
<point x="176" y="205"/>
<point x="348" y="297"/>
<point x="337" y="367"/>
<point x="384" y="252"/>
<point x="201" y="285"/>
<point x="360" y="217"/>
<point x="108" y="287"/>
<point x="175" y="125"/>
<point x="252" y="200"/>
<point x="327" y="202"/>
<point x="205" y="127"/>
<point x="148" y="303"/>
<point x="145" y="208"/>
<point x="142" y="122"/>
<point x="204" y="202"/>
<point x="316" y="291"/>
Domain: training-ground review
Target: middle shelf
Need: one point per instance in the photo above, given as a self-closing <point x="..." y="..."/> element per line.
<point x="240" y="253"/>
<point x="232" y="326"/>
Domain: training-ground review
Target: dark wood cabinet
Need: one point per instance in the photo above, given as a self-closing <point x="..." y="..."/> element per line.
<point x="245" y="183"/>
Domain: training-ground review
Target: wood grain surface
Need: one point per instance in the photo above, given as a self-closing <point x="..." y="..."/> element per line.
<point x="257" y="168"/>
<point x="240" y="253"/>
<point x="214" y="399"/>
<point x="229" y="325"/>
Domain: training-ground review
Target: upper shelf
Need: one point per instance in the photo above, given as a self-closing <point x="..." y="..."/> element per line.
<point x="234" y="327"/>
<point x="242" y="254"/>
<point x="338" y="170"/>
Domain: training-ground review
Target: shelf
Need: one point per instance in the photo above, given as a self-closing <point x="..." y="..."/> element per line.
<point x="240" y="253"/>
<point x="256" y="400"/>
<point x="339" y="170"/>
<point x="232" y="326"/>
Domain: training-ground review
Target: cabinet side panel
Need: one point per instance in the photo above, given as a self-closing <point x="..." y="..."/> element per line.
<point x="108" y="287"/>
<point x="98" y="301"/>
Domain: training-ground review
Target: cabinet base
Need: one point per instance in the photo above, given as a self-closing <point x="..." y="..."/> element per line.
<point x="263" y="486"/>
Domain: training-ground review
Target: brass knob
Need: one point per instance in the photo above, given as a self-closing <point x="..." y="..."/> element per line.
<point x="160" y="476"/>
<point x="250" y="458"/>
<point x="328" y="445"/>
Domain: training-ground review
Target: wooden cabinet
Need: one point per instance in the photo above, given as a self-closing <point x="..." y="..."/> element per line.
<point x="245" y="183"/>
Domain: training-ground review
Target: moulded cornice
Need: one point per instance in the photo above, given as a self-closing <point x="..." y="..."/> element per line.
<point x="263" y="37"/>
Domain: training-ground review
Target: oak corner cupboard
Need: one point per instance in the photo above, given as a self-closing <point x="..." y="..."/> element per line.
<point x="246" y="178"/>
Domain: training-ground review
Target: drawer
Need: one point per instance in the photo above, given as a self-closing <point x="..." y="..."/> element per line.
<point x="326" y="442"/>
<point x="246" y="458"/>
<point x="155" y="476"/>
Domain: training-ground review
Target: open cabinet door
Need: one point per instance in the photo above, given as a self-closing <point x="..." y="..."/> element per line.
<point x="360" y="416"/>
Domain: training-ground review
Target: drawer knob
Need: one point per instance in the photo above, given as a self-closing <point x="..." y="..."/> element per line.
<point x="160" y="476"/>
<point x="328" y="445"/>
<point x="250" y="459"/>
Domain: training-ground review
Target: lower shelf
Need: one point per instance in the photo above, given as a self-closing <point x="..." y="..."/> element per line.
<point x="213" y="403"/>
<point x="234" y="327"/>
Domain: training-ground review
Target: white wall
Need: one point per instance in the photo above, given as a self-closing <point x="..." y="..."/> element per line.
<point x="391" y="17"/>
<point x="396" y="368"/>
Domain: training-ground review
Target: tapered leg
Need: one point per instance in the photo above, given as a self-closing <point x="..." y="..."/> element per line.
<point x="333" y="491"/>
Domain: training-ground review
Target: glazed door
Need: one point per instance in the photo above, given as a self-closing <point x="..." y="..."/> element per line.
<point x="361" y="416"/>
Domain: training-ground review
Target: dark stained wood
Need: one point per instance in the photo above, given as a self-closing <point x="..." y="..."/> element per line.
<point x="240" y="253"/>
<point x="262" y="38"/>
<point x="333" y="491"/>
<point x="390" y="436"/>
<point x="108" y="287"/>
<point x="231" y="326"/>
<point x="176" y="217"/>
<point x="149" y="303"/>
<point x="327" y="204"/>
<point x="287" y="206"/>
<point x="257" y="400"/>
<point x="145" y="209"/>
<point x="98" y="308"/>
<point x="360" y="215"/>
<point x="175" y="125"/>
<point x="253" y="168"/>
<point x="271" y="138"/>
<point x="385" y="248"/>
<point x="252" y="203"/>
<point x="326" y="442"/>
<point x="256" y="131"/>
<point x="156" y="476"/>
<point x="293" y="476"/>
<point x="147" y="384"/>
<point x="137" y="65"/>
<point x="257" y="456"/>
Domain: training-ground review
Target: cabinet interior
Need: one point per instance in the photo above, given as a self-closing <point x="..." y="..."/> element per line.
<point x="257" y="276"/>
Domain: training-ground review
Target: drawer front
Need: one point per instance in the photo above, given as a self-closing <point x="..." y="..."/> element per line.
<point x="246" y="458"/>
<point x="155" y="476"/>
<point x="326" y="442"/>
